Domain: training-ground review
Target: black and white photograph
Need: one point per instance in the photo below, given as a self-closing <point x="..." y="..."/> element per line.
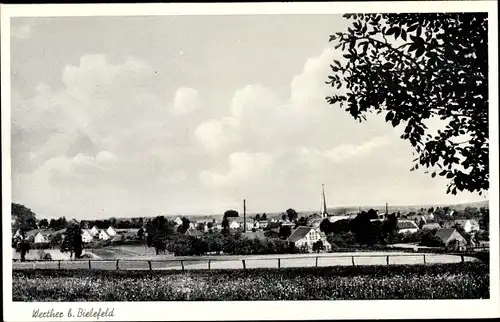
<point x="209" y="154"/>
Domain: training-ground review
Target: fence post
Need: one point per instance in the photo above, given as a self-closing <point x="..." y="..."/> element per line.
<point x="353" y="264"/>
<point x="182" y="264"/>
<point x="59" y="264"/>
<point x="90" y="266"/>
<point x="279" y="262"/>
<point x="462" y="256"/>
<point x="387" y="259"/>
<point x="117" y="265"/>
<point x="316" y="261"/>
<point x="208" y="264"/>
<point x="150" y="267"/>
<point x="424" y="259"/>
<point x="244" y="264"/>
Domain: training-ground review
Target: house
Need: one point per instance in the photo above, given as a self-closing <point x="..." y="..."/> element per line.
<point x="407" y="226"/>
<point x="111" y="231"/>
<point x="382" y="216"/>
<point x="41" y="238"/>
<point x="94" y="231"/>
<point x="431" y="226"/>
<point x="87" y="236"/>
<point x="218" y="227"/>
<point x="305" y="237"/>
<point x="448" y="235"/>
<point x="193" y="232"/>
<point x="118" y="238"/>
<point x="103" y="235"/>
<point x="178" y="221"/>
<point x="249" y="225"/>
<point x="263" y="224"/>
<point x="468" y="224"/>
<point x="234" y="225"/>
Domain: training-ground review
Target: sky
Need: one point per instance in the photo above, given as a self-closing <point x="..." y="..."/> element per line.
<point x="141" y="116"/>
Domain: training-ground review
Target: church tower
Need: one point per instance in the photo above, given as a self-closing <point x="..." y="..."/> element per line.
<point x="324" y="211"/>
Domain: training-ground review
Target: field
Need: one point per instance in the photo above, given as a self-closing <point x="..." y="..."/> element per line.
<point x="469" y="280"/>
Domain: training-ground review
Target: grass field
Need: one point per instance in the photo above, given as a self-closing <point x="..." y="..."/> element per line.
<point x="468" y="280"/>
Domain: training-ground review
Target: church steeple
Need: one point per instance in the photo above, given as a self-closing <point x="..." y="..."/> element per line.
<point x="324" y="211"/>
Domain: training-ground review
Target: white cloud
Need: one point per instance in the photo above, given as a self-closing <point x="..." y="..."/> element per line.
<point x="185" y="101"/>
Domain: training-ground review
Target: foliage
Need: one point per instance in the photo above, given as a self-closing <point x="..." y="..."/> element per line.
<point x="484" y="222"/>
<point x="429" y="239"/>
<point x="284" y="232"/>
<point x="483" y="235"/>
<point x="23" y="247"/>
<point x="468" y="280"/>
<point x="59" y="223"/>
<point x="72" y="241"/>
<point x="25" y="219"/>
<point x="230" y="213"/>
<point x="158" y="231"/>
<point x="43" y="223"/>
<point x="184" y="226"/>
<point x="341" y="240"/>
<point x="419" y="67"/>
<point x="291" y="214"/>
<point x="303" y="221"/>
<point x="318" y="246"/>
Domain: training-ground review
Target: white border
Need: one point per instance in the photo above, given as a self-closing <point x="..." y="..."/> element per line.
<point x="276" y="310"/>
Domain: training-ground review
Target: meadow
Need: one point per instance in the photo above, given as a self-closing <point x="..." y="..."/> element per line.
<point x="469" y="280"/>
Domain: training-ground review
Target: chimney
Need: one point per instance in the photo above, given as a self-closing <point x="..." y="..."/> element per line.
<point x="386" y="208"/>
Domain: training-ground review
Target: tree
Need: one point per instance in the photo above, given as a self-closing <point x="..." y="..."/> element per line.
<point x="484" y="222"/>
<point x="225" y="224"/>
<point x="140" y="233"/>
<point x="291" y="214"/>
<point x="390" y="228"/>
<point x="184" y="226"/>
<point x="43" y="223"/>
<point x="318" y="246"/>
<point x="25" y="219"/>
<point x="23" y="247"/>
<point x="159" y="230"/>
<point x="257" y="217"/>
<point x="263" y="217"/>
<point x="303" y="221"/>
<point x="416" y="68"/>
<point x="372" y="214"/>
<point x="285" y="232"/>
<point x="231" y="213"/>
<point x="73" y="241"/>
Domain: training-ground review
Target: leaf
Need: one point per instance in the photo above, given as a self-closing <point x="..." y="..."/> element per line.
<point x="420" y="51"/>
<point x="442" y="173"/>
<point x="450" y="175"/>
<point x="403" y="34"/>
<point x="413" y="28"/>
<point x="337" y="62"/>
<point x="388" y="65"/>
<point x="389" y="116"/>
<point x="433" y="174"/>
<point x="391" y="31"/>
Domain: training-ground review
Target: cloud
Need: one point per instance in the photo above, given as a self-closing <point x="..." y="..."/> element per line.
<point x="185" y="101"/>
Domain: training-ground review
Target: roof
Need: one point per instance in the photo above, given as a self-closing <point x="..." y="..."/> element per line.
<point x="254" y="235"/>
<point x="406" y="224"/>
<point x="337" y="218"/>
<point x="193" y="232"/>
<point x="118" y="237"/>
<point x="86" y="230"/>
<point x="431" y="226"/>
<point x="445" y="233"/>
<point x="299" y="233"/>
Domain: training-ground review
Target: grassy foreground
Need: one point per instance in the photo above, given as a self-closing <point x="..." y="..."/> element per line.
<point x="469" y="280"/>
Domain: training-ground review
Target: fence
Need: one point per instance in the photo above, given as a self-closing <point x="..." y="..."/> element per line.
<point x="239" y="262"/>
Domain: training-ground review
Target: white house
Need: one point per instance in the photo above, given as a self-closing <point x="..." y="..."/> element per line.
<point x="307" y="236"/>
<point x="111" y="231"/>
<point x="263" y="224"/>
<point x="41" y="238"/>
<point x="178" y="221"/>
<point x="94" y="231"/>
<point x="407" y="226"/>
<point x="234" y="225"/>
<point x="468" y="225"/>
<point x="87" y="236"/>
<point x="103" y="235"/>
